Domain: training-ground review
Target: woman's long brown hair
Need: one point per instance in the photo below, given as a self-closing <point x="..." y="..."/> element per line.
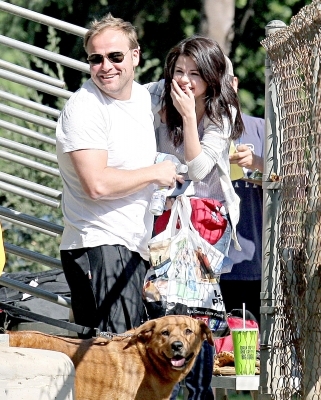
<point x="220" y="95"/>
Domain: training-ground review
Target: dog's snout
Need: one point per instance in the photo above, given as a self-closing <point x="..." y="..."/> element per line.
<point x="177" y="345"/>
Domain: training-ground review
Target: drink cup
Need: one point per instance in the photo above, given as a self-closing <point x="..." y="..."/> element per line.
<point x="244" y="343"/>
<point x="236" y="172"/>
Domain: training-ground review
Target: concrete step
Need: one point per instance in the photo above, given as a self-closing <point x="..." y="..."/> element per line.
<point x="30" y="374"/>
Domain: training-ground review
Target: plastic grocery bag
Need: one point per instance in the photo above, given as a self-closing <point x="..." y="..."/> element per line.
<point x="184" y="272"/>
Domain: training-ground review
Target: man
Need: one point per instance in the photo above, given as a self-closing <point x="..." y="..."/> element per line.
<point x="106" y="150"/>
<point x="243" y="283"/>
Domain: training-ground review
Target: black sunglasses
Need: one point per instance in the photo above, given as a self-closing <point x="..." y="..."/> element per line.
<point x="114" y="57"/>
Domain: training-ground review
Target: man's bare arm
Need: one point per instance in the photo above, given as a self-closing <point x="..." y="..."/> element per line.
<point x="98" y="180"/>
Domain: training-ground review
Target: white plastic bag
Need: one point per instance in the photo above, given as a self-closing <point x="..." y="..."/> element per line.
<point x="184" y="269"/>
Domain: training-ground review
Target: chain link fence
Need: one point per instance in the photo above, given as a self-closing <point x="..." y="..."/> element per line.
<point x="293" y="367"/>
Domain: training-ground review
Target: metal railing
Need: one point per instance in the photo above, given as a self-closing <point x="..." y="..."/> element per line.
<point x="32" y="157"/>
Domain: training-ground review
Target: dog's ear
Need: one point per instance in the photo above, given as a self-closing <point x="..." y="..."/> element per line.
<point x="207" y="333"/>
<point x="143" y="332"/>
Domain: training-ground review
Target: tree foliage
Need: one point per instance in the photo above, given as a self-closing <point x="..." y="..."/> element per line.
<point x="248" y="56"/>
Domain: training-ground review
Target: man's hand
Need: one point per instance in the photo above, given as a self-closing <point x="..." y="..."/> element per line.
<point x="244" y="157"/>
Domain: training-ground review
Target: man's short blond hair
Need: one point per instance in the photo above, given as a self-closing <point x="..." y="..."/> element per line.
<point x="109" y="22"/>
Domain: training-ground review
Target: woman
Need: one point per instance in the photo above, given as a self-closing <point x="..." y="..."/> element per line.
<point x="198" y="115"/>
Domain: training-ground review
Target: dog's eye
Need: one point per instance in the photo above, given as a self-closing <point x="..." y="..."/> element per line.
<point x="188" y="331"/>
<point x="165" y="333"/>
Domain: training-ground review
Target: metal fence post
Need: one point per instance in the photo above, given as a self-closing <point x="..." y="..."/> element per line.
<point x="271" y="195"/>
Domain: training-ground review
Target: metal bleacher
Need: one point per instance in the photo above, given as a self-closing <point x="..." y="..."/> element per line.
<point x="31" y="119"/>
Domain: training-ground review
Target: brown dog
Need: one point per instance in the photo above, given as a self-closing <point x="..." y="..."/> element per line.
<point x="143" y="365"/>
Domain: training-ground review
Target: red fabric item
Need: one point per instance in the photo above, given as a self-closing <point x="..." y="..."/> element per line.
<point x="206" y="219"/>
<point x="226" y="343"/>
<point x="162" y="221"/>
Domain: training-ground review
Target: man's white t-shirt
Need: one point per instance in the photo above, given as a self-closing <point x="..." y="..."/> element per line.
<point x="92" y="120"/>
